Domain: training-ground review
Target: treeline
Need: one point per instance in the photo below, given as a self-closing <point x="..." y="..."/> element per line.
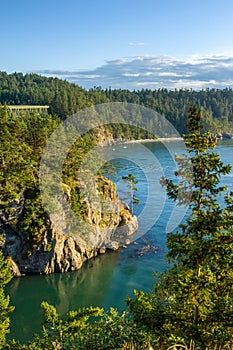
<point x="65" y="99"/>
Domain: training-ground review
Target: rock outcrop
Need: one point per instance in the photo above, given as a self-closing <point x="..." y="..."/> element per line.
<point x="59" y="251"/>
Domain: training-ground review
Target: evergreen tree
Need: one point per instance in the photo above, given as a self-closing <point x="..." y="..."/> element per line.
<point x="131" y="181"/>
<point x="193" y="300"/>
<point x="202" y="285"/>
<point x="5" y="309"/>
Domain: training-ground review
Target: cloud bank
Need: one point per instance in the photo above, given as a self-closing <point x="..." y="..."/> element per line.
<point x="154" y="72"/>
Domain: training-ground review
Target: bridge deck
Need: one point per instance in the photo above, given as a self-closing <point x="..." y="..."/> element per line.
<point x="30" y="107"/>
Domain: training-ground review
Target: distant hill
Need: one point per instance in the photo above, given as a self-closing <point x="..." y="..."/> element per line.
<point x="65" y="99"/>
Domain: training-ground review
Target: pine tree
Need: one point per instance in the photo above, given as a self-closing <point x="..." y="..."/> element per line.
<point x="131" y="181"/>
<point x="193" y="300"/>
<point x="200" y="284"/>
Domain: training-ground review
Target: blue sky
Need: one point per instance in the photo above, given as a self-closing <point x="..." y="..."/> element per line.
<point x="122" y="43"/>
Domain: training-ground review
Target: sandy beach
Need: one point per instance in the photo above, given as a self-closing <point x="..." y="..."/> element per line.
<point x="159" y="139"/>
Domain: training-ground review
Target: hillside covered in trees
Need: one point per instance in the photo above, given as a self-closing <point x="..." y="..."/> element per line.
<point x="65" y="99"/>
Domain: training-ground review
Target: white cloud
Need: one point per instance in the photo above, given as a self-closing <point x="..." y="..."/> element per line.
<point x="91" y="76"/>
<point x="136" y="44"/>
<point x="137" y="72"/>
<point x="146" y="74"/>
<point x="169" y="74"/>
<point x="131" y="74"/>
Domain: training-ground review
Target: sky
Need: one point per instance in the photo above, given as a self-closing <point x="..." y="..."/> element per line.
<point x="130" y="44"/>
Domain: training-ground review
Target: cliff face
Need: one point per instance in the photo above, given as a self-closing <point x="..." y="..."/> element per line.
<point x="60" y="252"/>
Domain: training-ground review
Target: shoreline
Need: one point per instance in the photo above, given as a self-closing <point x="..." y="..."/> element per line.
<point x="159" y="139"/>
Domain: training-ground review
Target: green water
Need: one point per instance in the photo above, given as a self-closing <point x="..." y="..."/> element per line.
<point x="108" y="279"/>
<point x="85" y="287"/>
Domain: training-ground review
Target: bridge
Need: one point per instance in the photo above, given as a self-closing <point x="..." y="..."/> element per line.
<point x="30" y="108"/>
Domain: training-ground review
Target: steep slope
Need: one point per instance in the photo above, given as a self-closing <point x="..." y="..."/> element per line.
<point x="59" y="251"/>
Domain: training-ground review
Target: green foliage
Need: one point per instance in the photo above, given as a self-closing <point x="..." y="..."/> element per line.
<point x="87" y="328"/>
<point x="77" y="203"/>
<point x="33" y="220"/>
<point x="197" y="291"/>
<point x="14" y="155"/>
<point x="151" y="315"/>
<point x="23" y="137"/>
<point x="131" y="181"/>
<point x="108" y="169"/>
<point x="22" y="140"/>
<point x="5" y="308"/>
<point x="76" y="156"/>
<point x="202" y="249"/>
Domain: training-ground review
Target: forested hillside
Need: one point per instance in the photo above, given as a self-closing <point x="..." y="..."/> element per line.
<point x="65" y="99"/>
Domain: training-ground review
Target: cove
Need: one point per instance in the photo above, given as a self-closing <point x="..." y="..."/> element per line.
<point x="108" y="279"/>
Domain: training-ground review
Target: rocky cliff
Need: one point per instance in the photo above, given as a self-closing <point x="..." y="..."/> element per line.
<point x="58" y="251"/>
